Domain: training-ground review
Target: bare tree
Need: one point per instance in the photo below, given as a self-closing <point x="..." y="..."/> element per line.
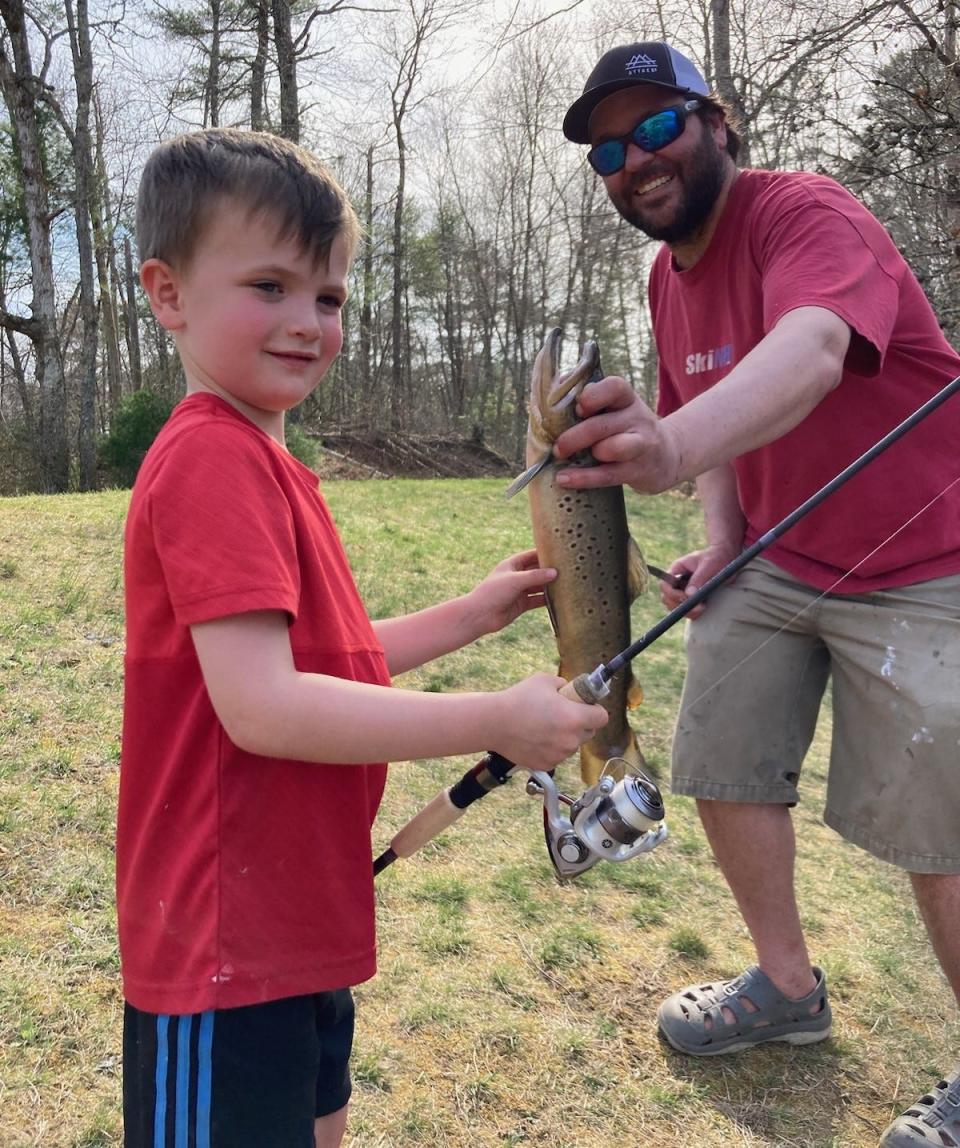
<point x="407" y="49"/>
<point x="286" y="70"/>
<point x="79" y="134"/>
<point x="107" y="278"/>
<point x="22" y="87"/>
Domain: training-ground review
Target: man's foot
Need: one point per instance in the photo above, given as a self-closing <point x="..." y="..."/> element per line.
<point x="933" y="1122"/>
<point x="727" y="1016"/>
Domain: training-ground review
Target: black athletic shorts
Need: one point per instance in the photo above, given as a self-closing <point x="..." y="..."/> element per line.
<point x="253" y="1077"/>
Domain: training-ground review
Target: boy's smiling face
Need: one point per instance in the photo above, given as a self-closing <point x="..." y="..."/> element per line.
<point x="254" y="320"/>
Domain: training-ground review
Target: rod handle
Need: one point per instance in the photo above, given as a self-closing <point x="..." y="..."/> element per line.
<point x="449" y="804"/>
<point x="585" y="688"/>
<point x="570" y="690"/>
<point x="425" y="825"/>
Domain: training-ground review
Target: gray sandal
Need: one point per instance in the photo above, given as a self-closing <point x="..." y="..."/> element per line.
<point x="933" y="1120"/>
<point x="683" y="1017"/>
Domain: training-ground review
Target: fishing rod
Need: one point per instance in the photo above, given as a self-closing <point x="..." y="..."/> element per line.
<point x="614" y="820"/>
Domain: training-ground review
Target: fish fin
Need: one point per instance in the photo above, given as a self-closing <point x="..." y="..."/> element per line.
<point x="634" y="755"/>
<point x="551" y="614"/>
<point x="634" y="693"/>
<point x="529" y="474"/>
<point x="591" y="764"/>
<point x="636" y="571"/>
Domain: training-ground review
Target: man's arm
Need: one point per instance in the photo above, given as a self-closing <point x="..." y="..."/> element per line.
<point x="770" y="391"/>
<point x="724" y="526"/>
<point x="268" y="707"/>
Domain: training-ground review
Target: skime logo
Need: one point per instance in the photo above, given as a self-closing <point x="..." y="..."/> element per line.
<point x="641" y="63"/>
<point x="712" y="360"/>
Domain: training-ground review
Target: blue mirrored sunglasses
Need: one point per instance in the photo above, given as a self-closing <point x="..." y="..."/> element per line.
<point x="650" y="134"/>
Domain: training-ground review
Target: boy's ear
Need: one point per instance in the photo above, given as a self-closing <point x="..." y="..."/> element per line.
<point x="162" y="286"/>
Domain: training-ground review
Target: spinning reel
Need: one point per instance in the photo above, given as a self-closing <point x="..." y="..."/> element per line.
<point x="614" y="820"/>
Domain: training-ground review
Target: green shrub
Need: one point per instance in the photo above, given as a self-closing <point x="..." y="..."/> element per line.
<point x="136" y="423"/>
<point x="301" y="445"/>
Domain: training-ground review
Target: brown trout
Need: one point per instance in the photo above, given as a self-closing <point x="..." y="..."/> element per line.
<point x="583" y="534"/>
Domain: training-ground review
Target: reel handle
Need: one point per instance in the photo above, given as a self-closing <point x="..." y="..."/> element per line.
<point x="449" y="804"/>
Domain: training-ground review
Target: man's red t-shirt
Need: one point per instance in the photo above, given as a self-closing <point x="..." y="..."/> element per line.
<point x="788" y="240"/>
<point x="240" y="879"/>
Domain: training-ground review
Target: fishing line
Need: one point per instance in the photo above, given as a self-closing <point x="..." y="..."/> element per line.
<point x="819" y="598"/>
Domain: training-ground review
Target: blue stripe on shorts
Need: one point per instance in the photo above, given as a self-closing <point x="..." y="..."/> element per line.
<point x="184" y="1070"/>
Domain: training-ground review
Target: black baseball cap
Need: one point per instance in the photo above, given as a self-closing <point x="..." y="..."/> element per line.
<point x="653" y="62"/>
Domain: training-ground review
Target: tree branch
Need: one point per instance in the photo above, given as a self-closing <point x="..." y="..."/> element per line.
<point x="22" y="324"/>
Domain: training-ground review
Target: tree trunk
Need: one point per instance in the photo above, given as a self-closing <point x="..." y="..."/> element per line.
<point x="82" y="145"/>
<point x="133" y="317"/>
<point x="396" y="314"/>
<point x="19" y="85"/>
<point x="723" y="80"/>
<point x="287" y="71"/>
<point x="366" y="300"/>
<point x="259" y="68"/>
<point x="103" y="250"/>
<point x="212" y="87"/>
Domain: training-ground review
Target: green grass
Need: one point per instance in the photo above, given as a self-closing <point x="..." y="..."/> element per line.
<point x="508" y="1010"/>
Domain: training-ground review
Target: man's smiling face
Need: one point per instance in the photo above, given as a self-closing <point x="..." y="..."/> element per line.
<point x="668" y="194"/>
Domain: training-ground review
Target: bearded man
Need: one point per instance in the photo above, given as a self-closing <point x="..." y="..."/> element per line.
<point x="791" y="336"/>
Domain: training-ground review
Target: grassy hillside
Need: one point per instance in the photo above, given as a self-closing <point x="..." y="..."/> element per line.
<point x="508" y="1010"/>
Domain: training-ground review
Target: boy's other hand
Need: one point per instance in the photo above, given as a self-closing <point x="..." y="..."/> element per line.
<point x="512" y="587"/>
<point x="540" y="728"/>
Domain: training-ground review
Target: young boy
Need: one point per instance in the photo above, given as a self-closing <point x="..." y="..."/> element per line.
<point x="257" y="709"/>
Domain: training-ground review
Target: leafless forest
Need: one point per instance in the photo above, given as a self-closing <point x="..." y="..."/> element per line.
<point x="442" y="117"/>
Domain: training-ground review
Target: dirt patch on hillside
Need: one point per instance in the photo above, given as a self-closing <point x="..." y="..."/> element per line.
<point x="388" y="454"/>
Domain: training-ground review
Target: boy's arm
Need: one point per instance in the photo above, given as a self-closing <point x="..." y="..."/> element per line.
<point x="270" y="708"/>
<point x="509" y="590"/>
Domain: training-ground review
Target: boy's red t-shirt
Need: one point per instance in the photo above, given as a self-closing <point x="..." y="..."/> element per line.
<point x="240" y="879"/>
<point x="788" y="240"/>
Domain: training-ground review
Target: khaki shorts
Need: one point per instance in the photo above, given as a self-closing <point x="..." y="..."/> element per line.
<point x="757" y="670"/>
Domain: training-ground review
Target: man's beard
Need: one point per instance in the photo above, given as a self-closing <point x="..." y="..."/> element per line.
<point x="702" y="184"/>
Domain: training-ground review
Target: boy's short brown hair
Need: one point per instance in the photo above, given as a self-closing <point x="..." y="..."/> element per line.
<point x="186" y="177"/>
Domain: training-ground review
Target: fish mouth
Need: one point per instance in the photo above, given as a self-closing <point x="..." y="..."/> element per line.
<point x="554" y="392"/>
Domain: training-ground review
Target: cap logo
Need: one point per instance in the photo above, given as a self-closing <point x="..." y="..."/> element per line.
<point x="641" y="63"/>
